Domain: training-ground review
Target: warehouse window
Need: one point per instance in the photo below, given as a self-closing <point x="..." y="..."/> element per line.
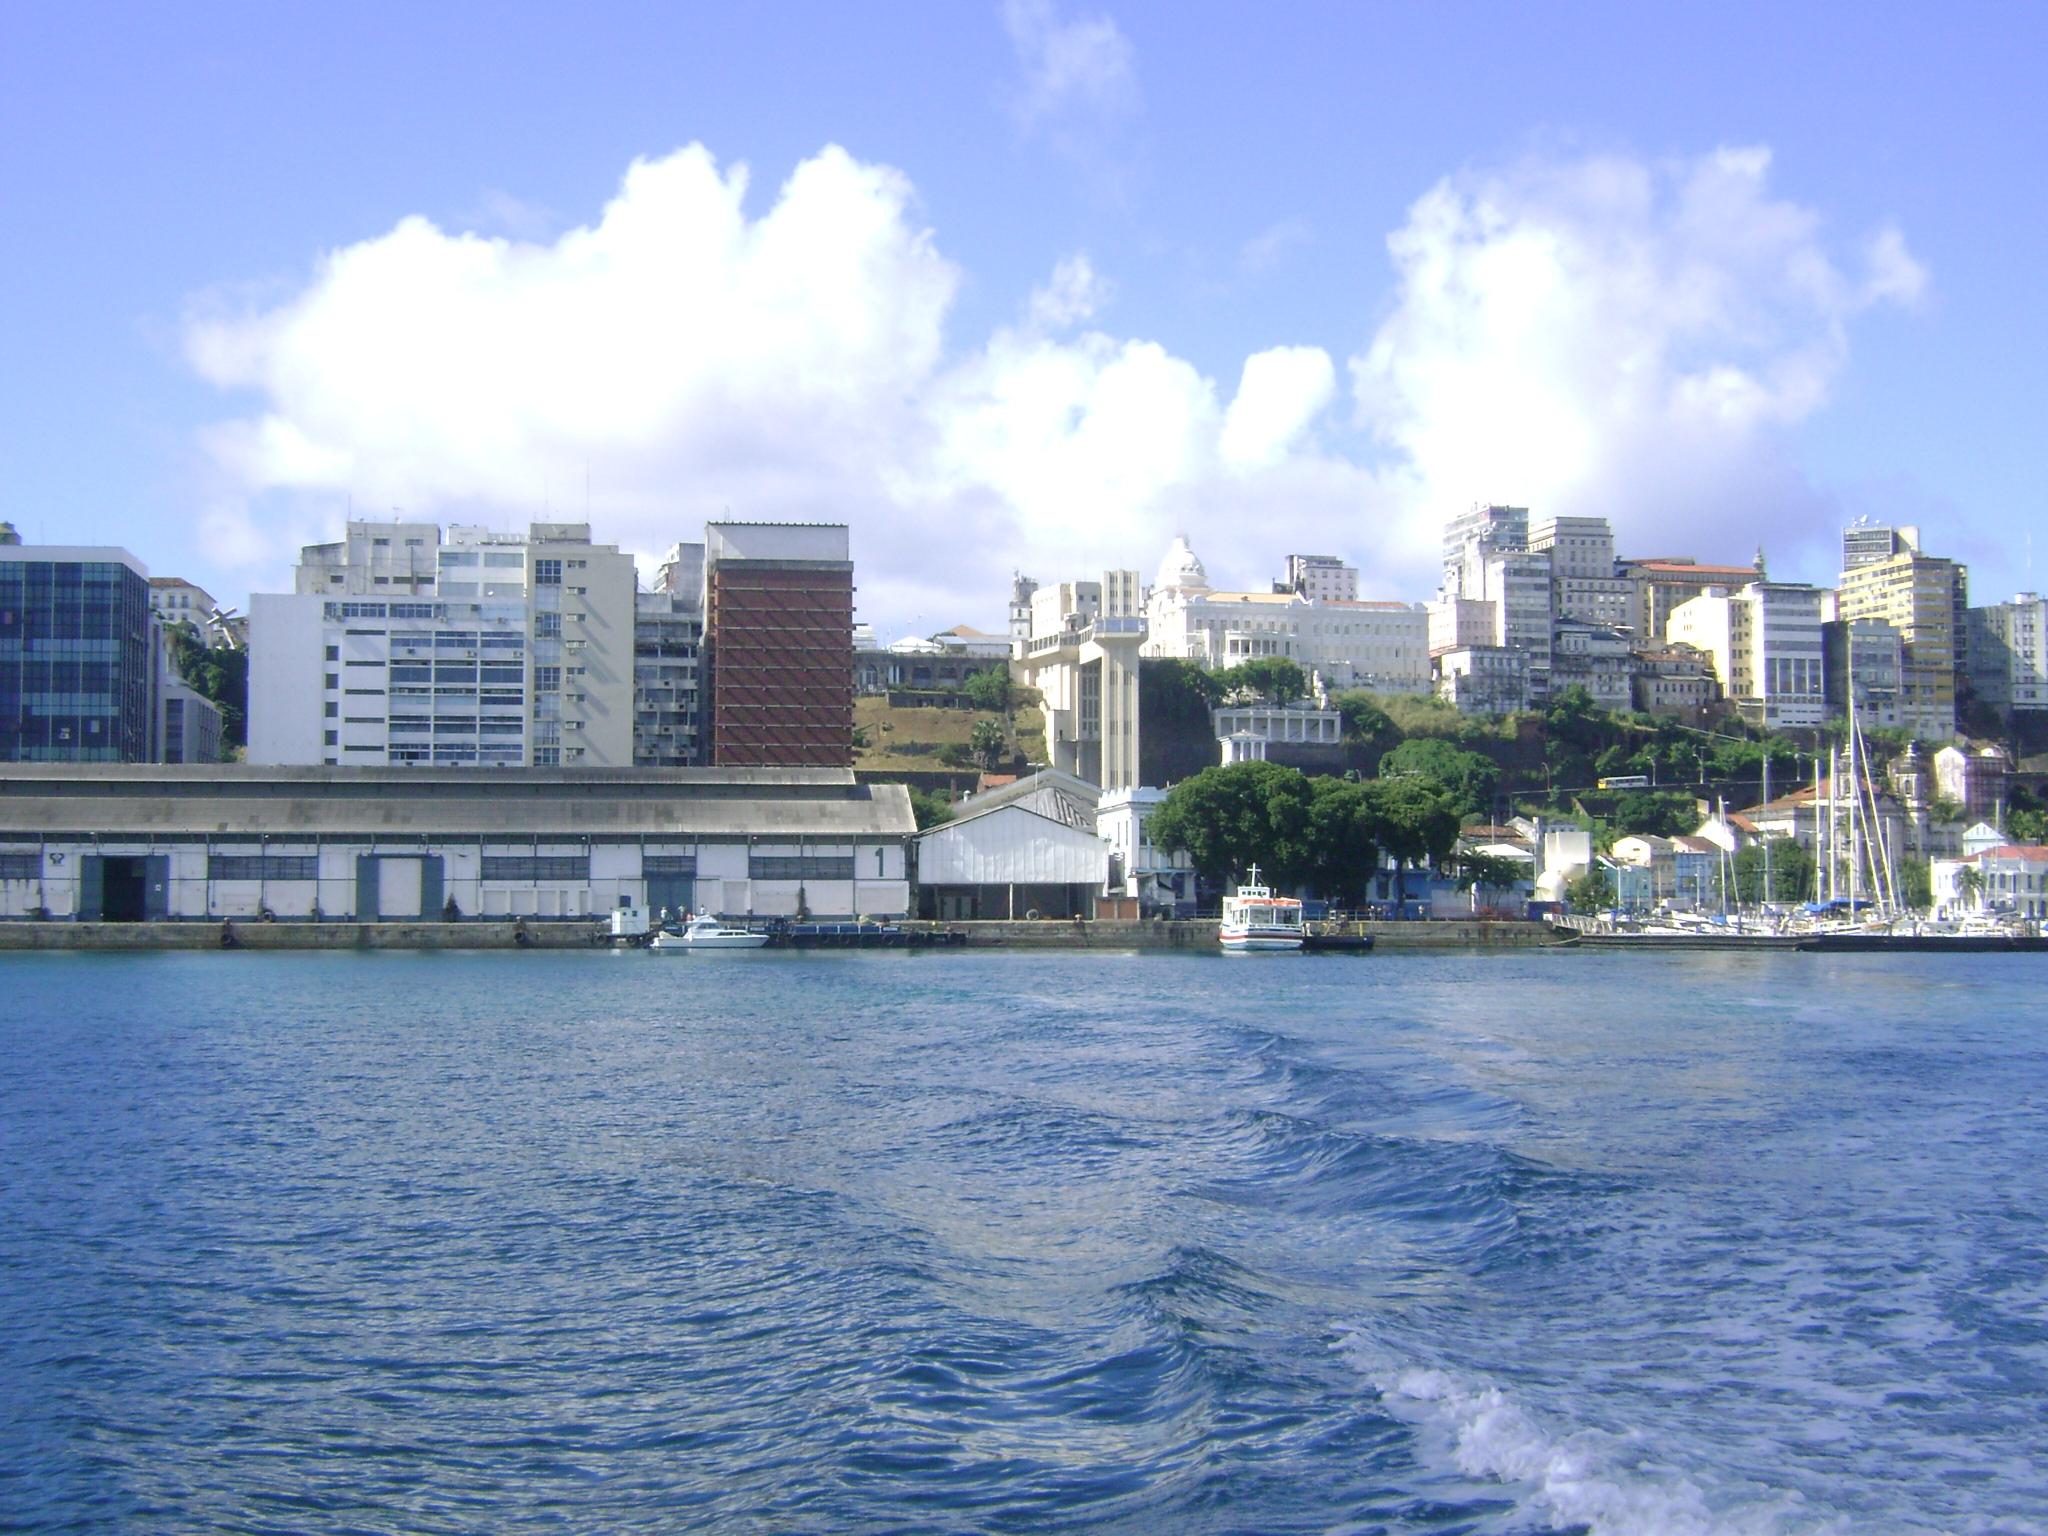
<point x="21" y="866"/>
<point x="810" y="866"/>
<point x="265" y="866"/>
<point x="527" y="868"/>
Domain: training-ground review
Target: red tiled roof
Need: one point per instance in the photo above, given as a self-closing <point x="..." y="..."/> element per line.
<point x="1684" y="568"/>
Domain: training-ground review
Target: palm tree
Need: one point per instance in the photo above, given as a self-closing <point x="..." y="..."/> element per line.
<point x="1970" y="886"/>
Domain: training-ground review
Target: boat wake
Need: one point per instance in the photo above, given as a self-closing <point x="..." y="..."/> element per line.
<point x="1582" y="1479"/>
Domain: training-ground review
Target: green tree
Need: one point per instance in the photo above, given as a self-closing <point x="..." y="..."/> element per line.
<point x="990" y="690"/>
<point x="1467" y="776"/>
<point x="2027" y="826"/>
<point x="930" y="809"/>
<point x="987" y="743"/>
<point x="1970" y="885"/>
<point x="1366" y="723"/>
<point x="1343" y="834"/>
<point x="1661" y="814"/>
<point x="218" y="673"/>
<point x="1791" y="873"/>
<point x="1272" y="678"/>
<point x="1478" y="872"/>
<point x="1418" y="822"/>
<point x="1916" y="885"/>
<point x="1591" y="891"/>
<point x="1229" y="818"/>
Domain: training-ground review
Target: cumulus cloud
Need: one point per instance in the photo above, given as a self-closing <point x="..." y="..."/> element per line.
<point x="1598" y="336"/>
<point x="1610" y="337"/>
<point x="1280" y="394"/>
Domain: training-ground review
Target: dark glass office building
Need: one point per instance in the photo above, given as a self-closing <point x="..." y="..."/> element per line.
<point x="76" y="657"/>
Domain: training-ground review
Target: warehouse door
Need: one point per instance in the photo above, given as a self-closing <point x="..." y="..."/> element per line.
<point x="124" y="886"/>
<point x="398" y="887"/>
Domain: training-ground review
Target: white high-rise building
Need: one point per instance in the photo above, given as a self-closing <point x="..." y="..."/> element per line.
<point x="1765" y="642"/>
<point x="404" y="646"/>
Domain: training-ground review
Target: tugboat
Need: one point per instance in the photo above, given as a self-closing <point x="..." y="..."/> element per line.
<point x="1255" y="919"/>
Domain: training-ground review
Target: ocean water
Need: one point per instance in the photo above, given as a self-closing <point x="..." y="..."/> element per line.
<point x="1024" y="1242"/>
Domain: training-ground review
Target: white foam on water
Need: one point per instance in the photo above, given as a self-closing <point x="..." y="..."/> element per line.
<point x="1566" y="1480"/>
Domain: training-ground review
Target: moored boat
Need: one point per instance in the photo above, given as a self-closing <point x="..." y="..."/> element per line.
<point x="1255" y="919"/>
<point x="708" y="933"/>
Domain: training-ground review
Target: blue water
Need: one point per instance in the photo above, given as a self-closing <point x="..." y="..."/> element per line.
<point x="1023" y="1242"/>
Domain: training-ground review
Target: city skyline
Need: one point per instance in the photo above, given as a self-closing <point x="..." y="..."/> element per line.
<point x="1038" y="289"/>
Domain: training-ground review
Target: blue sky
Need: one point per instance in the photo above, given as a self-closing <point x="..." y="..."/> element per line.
<point x="1727" y="274"/>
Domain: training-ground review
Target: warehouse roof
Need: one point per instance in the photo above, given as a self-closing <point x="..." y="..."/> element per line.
<point x="191" y="800"/>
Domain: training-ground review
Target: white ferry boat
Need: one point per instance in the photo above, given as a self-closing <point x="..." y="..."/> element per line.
<point x="1254" y="918"/>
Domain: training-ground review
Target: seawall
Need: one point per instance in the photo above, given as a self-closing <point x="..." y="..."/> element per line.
<point x="1198" y="936"/>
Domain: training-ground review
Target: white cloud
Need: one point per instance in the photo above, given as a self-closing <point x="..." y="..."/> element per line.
<point x="1280" y="394"/>
<point x="1599" y="336"/>
<point x="1270" y="246"/>
<point x="1083" y="65"/>
<point x="1075" y="292"/>
<point x="1609" y="337"/>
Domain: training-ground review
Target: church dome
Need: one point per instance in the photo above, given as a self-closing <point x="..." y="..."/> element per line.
<point x="1180" y="570"/>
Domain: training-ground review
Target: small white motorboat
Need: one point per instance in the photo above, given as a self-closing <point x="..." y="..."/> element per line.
<point x="707" y="933"/>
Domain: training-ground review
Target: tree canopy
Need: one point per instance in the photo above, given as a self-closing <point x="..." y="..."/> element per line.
<point x="218" y="673"/>
<point x="1468" y="777"/>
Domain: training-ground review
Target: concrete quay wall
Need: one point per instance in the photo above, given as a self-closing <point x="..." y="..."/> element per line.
<point x="254" y="935"/>
<point x="1197" y="936"/>
<point x="1201" y="934"/>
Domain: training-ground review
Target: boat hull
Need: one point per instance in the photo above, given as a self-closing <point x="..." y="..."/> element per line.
<point x="1260" y="940"/>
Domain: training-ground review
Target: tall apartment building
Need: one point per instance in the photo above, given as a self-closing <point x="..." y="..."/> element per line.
<point x="1864" y="661"/>
<point x="1865" y="543"/>
<point x="778" y="639"/>
<point x="1765" y="643"/>
<point x="1582" y="580"/>
<point x="668" y="639"/>
<point x="79" y="662"/>
<point x="1926" y="600"/>
<point x="1321" y="578"/>
<point x="1477" y="531"/>
<point x="480" y="649"/>
<point x="2008" y="653"/>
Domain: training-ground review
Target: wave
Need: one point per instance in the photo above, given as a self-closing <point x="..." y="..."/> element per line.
<point x="1575" y="1480"/>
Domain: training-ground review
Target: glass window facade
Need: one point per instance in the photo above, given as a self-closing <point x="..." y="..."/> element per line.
<point x="76" y="678"/>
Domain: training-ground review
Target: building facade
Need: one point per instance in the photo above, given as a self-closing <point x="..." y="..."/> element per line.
<point x="778" y="639"/>
<point x="1082" y="656"/>
<point x="1926" y="601"/>
<point x="1380" y="646"/>
<point x="2008" y="653"/>
<point x="121" y="844"/>
<point x="79" y="664"/>
<point x="1765" y="644"/>
<point x="502" y="651"/>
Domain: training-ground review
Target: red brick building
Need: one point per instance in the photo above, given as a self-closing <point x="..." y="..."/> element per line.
<point x="778" y="643"/>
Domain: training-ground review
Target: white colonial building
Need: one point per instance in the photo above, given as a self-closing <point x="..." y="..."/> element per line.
<point x="1348" y="643"/>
